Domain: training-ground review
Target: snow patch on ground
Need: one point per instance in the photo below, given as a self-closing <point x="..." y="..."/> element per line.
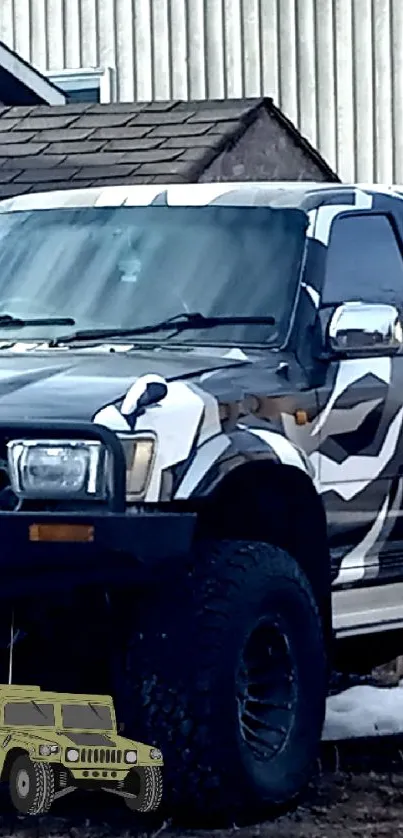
<point x="364" y="711"/>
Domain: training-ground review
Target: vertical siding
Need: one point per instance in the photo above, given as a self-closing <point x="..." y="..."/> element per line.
<point x="334" y="66"/>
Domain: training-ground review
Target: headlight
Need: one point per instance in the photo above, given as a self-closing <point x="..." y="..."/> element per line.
<point x="72" y="755"/>
<point x="130" y="756"/>
<point x="139" y="453"/>
<point x="47" y="750"/>
<point x="155" y="753"/>
<point x="60" y="468"/>
<point x="57" y="468"/>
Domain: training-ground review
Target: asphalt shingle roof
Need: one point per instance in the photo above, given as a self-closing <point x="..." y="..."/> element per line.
<point x="80" y="145"/>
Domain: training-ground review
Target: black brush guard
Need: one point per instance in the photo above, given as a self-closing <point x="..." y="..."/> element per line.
<point x="127" y="546"/>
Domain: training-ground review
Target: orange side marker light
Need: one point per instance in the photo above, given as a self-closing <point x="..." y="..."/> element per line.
<point x="301" y="417"/>
<point x="61" y="532"/>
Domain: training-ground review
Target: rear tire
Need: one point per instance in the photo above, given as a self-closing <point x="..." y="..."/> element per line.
<point x="228" y="676"/>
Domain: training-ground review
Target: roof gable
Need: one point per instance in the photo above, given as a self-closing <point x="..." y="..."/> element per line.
<point x="78" y="145"/>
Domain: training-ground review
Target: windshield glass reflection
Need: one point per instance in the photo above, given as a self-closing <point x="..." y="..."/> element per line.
<point x="129" y="266"/>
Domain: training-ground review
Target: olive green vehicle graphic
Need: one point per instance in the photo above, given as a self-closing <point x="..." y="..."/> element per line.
<point x="53" y="743"/>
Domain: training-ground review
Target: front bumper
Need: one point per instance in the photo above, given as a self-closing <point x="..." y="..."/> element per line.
<point x="106" y="772"/>
<point x="124" y="549"/>
<point x="98" y="772"/>
<point x="123" y="545"/>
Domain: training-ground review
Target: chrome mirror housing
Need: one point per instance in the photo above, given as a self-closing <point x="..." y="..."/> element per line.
<point x="357" y="327"/>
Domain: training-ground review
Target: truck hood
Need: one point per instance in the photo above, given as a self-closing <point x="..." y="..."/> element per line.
<point x="95" y="385"/>
<point x="65" y="739"/>
<point x="74" y="385"/>
<point x="41" y="736"/>
<point x="109" y="739"/>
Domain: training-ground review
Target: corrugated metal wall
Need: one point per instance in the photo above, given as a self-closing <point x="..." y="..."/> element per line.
<point x="334" y="66"/>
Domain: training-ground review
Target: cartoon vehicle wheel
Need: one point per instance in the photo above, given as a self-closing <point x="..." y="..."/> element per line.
<point x="146" y="784"/>
<point x="32" y="786"/>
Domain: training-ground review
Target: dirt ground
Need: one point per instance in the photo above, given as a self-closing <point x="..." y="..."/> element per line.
<point x="358" y="792"/>
<point x="342" y="805"/>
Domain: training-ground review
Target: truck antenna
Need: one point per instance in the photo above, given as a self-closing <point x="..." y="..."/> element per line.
<point x="10" y="658"/>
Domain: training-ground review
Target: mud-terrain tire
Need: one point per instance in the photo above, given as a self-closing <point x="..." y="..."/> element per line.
<point x="146" y="783"/>
<point x="232" y="649"/>
<point x="32" y="786"/>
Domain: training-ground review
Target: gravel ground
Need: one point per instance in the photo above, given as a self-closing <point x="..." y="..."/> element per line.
<point x="356" y="801"/>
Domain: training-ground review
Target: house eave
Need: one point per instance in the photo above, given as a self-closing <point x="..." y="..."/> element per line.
<point x="22" y="84"/>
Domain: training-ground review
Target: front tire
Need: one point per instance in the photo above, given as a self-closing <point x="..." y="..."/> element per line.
<point x="32" y="786"/>
<point x="227" y="675"/>
<point x="146" y="784"/>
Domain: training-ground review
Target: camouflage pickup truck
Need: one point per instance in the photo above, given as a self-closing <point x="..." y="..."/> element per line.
<point x="52" y="744"/>
<point x="201" y="419"/>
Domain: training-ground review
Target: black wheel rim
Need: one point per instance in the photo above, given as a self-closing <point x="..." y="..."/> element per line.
<point x="266" y="690"/>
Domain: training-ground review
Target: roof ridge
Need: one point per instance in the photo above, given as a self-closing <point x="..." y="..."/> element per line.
<point x="69" y="146"/>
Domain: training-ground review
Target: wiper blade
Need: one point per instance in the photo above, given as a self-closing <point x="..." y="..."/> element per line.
<point x="39" y="709"/>
<point x="94" y="710"/>
<point x="7" y="320"/>
<point x="178" y="323"/>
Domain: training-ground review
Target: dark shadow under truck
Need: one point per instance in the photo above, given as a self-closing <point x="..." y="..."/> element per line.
<point x="201" y="429"/>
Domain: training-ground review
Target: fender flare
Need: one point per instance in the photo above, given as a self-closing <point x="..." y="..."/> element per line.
<point x="221" y="454"/>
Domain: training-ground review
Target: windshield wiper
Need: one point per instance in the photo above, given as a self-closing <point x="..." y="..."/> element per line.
<point x="94" y="710"/>
<point x="39" y="709"/>
<point x="7" y="320"/>
<point x="178" y="323"/>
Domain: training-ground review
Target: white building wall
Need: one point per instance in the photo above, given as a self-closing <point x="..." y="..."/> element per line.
<point x="335" y="67"/>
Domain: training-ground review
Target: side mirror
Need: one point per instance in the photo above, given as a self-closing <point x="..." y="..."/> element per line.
<point x="357" y="328"/>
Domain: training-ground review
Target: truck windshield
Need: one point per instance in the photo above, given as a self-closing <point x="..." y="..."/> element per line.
<point x="26" y="713"/>
<point x="87" y="717"/>
<point x="123" y="267"/>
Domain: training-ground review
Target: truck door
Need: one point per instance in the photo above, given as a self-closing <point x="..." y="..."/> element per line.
<point x="359" y="427"/>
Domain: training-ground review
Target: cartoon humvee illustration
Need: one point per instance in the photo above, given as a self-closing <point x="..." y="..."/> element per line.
<point x="53" y="743"/>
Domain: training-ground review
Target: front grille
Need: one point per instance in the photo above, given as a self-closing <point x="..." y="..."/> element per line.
<point x="95" y="756"/>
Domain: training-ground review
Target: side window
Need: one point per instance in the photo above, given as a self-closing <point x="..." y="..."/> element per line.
<point x="364" y="261"/>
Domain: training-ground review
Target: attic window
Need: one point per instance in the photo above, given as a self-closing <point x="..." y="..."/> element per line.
<point x="85" y="85"/>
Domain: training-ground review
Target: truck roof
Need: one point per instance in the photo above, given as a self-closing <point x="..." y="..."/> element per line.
<point x="18" y="688"/>
<point x="22" y="692"/>
<point x="303" y="194"/>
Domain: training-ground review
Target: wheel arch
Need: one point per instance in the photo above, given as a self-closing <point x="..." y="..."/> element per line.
<point x="263" y="500"/>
